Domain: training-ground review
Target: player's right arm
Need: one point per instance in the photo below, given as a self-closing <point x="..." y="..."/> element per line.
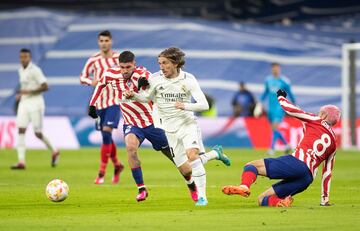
<point x="266" y="91"/>
<point x="88" y="70"/>
<point x="295" y="111"/>
<point x="98" y="89"/>
<point x="326" y="179"/>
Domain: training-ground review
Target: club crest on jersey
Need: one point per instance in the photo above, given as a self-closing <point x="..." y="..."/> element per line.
<point x="183" y="87"/>
<point x="129" y="83"/>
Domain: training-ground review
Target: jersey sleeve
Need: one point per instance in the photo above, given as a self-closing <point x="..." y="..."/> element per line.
<point x="98" y="89"/>
<point x="39" y="76"/>
<point x="85" y="76"/>
<point x="201" y="104"/>
<point x="295" y="111"/>
<point x="326" y="178"/>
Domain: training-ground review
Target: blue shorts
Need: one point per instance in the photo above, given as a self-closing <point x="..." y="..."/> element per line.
<point x="156" y="136"/>
<point x="295" y="175"/>
<point x="109" y="116"/>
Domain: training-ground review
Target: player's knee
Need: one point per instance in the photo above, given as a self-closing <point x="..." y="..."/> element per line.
<point x="22" y="130"/>
<point x="107" y="129"/>
<point x="107" y="137"/>
<point x="260" y="199"/>
<point x="259" y="165"/>
<point x="192" y="154"/>
<point x="39" y="135"/>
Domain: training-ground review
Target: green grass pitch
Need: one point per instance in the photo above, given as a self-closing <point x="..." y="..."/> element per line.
<point x="24" y="206"/>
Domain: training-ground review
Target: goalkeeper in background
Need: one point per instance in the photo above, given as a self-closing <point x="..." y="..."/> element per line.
<point x="273" y="83"/>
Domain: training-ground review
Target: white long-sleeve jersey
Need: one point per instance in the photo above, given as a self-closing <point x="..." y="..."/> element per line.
<point x="164" y="92"/>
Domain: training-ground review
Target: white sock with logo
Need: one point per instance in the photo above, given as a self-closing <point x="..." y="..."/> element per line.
<point x="199" y="176"/>
<point x="206" y="157"/>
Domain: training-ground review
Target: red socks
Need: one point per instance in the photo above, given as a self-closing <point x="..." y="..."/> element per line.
<point x="113" y="155"/>
<point x="105" y="154"/>
<point x="249" y="175"/>
<point x="270" y="201"/>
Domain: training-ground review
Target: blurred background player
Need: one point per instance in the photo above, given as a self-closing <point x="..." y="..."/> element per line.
<point x="297" y="170"/>
<point x="138" y="120"/>
<point x="172" y="90"/>
<point x="31" y="107"/>
<point x="275" y="113"/>
<point x="212" y="112"/>
<point x="243" y="102"/>
<point x="107" y="106"/>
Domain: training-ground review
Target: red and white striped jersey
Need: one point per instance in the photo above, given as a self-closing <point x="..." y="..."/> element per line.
<point x="317" y="145"/>
<point x="134" y="113"/>
<point x="94" y="68"/>
<point x="96" y="65"/>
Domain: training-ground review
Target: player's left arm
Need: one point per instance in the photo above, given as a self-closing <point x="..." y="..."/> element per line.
<point x="288" y="90"/>
<point x="201" y="104"/>
<point x="293" y="110"/>
<point x="326" y="179"/>
<point x="98" y="89"/>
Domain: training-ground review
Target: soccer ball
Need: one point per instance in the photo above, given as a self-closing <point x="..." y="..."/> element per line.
<point x="57" y="190"/>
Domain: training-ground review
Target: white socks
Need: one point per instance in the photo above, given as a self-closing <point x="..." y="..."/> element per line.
<point x="199" y="176"/>
<point x="21" y="148"/>
<point x="208" y="156"/>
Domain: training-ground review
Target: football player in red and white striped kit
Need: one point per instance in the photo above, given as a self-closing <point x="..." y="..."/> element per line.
<point x="138" y="120"/>
<point x="297" y="170"/>
<point x="107" y="105"/>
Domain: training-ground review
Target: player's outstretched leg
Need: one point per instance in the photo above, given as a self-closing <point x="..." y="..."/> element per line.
<point x="215" y="154"/>
<point x="118" y="167"/>
<point x="248" y="177"/>
<point x="55" y="153"/>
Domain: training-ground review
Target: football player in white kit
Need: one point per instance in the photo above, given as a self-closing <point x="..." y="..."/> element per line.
<point x="31" y="107"/>
<point x="172" y="89"/>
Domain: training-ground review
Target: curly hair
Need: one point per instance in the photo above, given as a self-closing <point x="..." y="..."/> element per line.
<point x="175" y="55"/>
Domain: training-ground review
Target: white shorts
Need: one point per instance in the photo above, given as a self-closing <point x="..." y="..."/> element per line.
<point x="183" y="139"/>
<point x="26" y="115"/>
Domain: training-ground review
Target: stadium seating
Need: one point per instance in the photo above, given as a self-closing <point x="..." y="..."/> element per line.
<point x="219" y="53"/>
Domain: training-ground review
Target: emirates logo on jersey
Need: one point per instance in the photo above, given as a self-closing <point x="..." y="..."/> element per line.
<point x="173" y="97"/>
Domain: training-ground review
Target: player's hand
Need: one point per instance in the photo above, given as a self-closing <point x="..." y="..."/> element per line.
<point x="281" y="92"/>
<point x="129" y="94"/>
<point x="258" y="110"/>
<point x="94" y="82"/>
<point x="142" y="82"/>
<point x="17" y="97"/>
<point x="92" y="112"/>
<point x="180" y="105"/>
